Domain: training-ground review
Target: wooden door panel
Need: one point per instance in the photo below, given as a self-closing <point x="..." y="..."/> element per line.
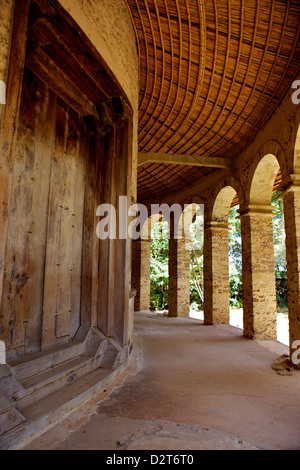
<point x="65" y="220"/>
<point x="25" y="253"/>
<point x="42" y="283"/>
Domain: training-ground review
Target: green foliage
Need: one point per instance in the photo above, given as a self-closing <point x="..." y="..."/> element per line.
<point x="235" y="259"/>
<point x="196" y="264"/>
<point x="236" y="292"/>
<point x="279" y="251"/>
<point x="281" y="293"/>
<point x="160" y="260"/>
<point x="159" y="271"/>
<point x="279" y="237"/>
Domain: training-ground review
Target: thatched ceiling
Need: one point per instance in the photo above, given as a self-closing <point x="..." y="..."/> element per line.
<point x="211" y="73"/>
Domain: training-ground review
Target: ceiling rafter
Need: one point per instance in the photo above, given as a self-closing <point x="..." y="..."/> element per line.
<point x="189" y="160"/>
<point x="212" y="72"/>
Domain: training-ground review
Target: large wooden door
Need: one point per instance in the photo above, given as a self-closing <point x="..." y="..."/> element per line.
<point x="66" y="147"/>
<point x="42" y="281"/>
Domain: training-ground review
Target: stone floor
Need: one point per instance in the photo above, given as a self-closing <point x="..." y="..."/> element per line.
<point x="188" y="386"/>
<point x="236" y="319"/>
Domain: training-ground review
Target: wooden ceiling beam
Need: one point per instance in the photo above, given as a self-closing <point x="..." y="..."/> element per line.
<point x="189" y="160"/>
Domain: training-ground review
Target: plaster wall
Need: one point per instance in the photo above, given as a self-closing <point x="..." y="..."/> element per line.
<point x="108" y="25"/>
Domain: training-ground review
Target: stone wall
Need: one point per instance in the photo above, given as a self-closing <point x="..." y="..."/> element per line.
<point x="141" y="273"/>
<point x="259" y="299"/>
<point x="179" y="277"/>
<point x="216" y="274"/>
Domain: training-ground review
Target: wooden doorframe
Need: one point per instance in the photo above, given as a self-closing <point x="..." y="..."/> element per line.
<point x="40" y="29"/>
<point x="10" y="119"/>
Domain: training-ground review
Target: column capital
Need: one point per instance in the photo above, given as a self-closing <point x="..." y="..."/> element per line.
<point x="216" y="224"/>
<point x="262" y="210"/>
<point x="146" y="240"/>
<point x="290" y="185"/>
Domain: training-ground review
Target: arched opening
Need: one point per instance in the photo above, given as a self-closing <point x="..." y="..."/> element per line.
<point x="235" y="265"/>
<point x="195" y="235"/>
<point x="225" y="214"/>
<point x="266" y="276"/>
<point x="280" y="269"/>
<point x="263" y="180"/>
<point x="297" y="153"/>
<point x="159" y="264"/>
<point x="176" y="260"/>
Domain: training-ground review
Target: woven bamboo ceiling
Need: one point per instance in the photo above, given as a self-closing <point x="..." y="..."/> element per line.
<point x="211" y="73"/>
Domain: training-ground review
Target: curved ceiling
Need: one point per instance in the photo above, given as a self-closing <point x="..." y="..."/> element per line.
<point x="211" y="74"/>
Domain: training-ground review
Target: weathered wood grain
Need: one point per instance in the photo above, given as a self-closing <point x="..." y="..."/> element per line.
<point x="8" y="130"/>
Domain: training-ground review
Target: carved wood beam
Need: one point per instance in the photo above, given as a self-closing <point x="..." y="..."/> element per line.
<point x="191" y="160"/>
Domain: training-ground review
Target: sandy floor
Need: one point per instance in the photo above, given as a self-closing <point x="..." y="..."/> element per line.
<point x="189" y="386"/>
<point x="236" y="319"/>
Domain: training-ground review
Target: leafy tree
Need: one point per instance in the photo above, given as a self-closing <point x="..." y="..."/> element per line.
<point x="196" y="263"/>
<point x="159" y="270"/>
<point x="160" y="260"/>
<point x="235" y="258"/>
<point x="279" y="237"/>
<point x="279" y="251"/>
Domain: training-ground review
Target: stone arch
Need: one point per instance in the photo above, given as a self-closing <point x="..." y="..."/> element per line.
<point x="270" y="161"/>
<point x="223" y="197"/>
<point x="297" y="152"/>
<point x="216" y="269"/>
<point x="222" y="204"/>
<point x="259" y="312"/>
<point x="148" y="225"/>
<point x="262" y="182"/>
<point x="193" y="216"/>
<point x="187" y="216"/>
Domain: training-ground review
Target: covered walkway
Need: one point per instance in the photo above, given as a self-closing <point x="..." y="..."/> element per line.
<point x="188" y="386"/>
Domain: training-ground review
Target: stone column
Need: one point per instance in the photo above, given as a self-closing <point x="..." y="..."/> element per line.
<point x="258" y="272"/>
<point x="179" y="277"/>
<point x="140" y="279"/>
<point x="291" y="200"/>
<point x="216" y="274"/>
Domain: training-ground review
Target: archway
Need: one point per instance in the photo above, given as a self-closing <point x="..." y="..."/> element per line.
<point x="291" y="199"/>
<point x="297" y="153"/>
<point x="280" y="265"/>
<point x="194" y="234"/>
<point x="159" y="263"/>
<point x="259" y="294"/>
<point x="217" y="288"/>
<point x="67" y="144"/>
<point x="263" y="180"/>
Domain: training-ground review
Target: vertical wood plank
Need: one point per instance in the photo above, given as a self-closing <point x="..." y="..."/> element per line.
<point x="107" y="246"/>
<point x="9" y="124"/>
<point x="77" y="229"/>
<point x="95" y="241"/>
<point x="88" y="235"/>
<point x="52" y="263"/>
<point x="45" y="121"/>
<point x="120" y="260"/>
<point x="24" y="273"/>
<point x="127" y="332"/>
<point x="68" y="174"/>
